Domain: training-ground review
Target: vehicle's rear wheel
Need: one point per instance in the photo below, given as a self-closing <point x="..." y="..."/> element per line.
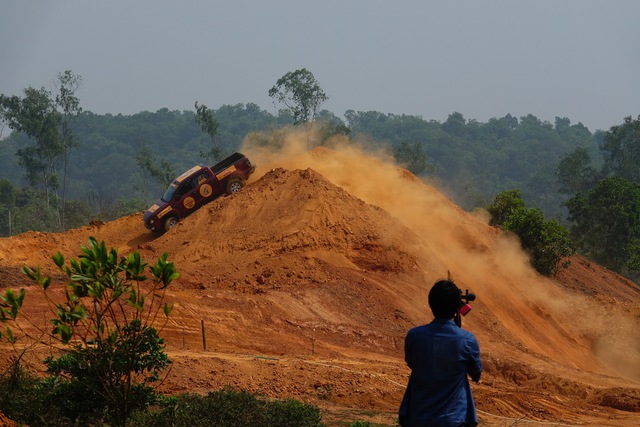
<point x="234" y="185"/>
<point x="170" y="222"/>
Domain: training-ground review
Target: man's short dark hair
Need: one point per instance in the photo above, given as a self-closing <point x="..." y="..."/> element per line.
<point x="444" y="299"/>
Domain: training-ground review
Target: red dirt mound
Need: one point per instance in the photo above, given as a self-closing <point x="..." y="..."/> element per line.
<point x="308" y="279"/>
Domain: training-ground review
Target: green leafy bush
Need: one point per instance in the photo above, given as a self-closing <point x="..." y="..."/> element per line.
<point x="111" y="351"/>
<point x="547" y="243"/>
<point x="229" y="408"/>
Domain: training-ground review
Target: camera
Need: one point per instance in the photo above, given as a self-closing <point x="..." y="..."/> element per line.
<point x="464" y="302"/>
<point x="465" y="308"/>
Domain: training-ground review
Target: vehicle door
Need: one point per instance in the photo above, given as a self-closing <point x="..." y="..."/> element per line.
<point x="183" y="202"/>
<point x="203" y="189"/>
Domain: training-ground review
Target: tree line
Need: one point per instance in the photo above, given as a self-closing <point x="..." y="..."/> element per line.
<point x="105" y="166"/>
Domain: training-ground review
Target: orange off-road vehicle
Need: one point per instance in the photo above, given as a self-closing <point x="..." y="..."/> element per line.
<point x="196" y="187"/>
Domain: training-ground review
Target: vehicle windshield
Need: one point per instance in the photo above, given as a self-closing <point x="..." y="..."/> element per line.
<point x="168" y="195"/>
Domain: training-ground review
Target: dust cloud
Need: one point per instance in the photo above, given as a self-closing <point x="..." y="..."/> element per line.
<point x="532" y="313"/>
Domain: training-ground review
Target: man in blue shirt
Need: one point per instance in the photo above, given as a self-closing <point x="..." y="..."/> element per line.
<point x="441" y="355"/>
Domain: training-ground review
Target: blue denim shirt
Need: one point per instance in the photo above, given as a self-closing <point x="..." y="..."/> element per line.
<point x="440" y="356"/>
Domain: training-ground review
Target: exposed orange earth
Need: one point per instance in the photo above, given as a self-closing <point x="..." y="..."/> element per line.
<point x="308" y="279"/>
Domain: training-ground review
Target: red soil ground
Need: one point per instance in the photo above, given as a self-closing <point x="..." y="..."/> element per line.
<point x="308" y="279"/>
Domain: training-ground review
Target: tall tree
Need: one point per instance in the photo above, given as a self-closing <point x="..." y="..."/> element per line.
<point x="163" y="173"/>
<point x="622" y="150"/>
<point x="575" y="172"/>
<point x="36" y="116"/>
<point x="70" y="109"/>
<point x="606" y="223"/>
<point x="7" y="206"/>
<point x="301" y="93"/>
<point x="414" y="158"/>
<point x="209" y="124"/>
<point x="455" y="124"/>
<point x="46" y="118"/>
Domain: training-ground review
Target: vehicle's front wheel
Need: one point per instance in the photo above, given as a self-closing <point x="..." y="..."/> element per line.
<point x="234" y="185"/>
<point x="170" y="222"/>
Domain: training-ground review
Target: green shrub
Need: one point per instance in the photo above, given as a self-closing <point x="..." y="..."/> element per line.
<point x="292" y="413"/>
<point x="112" y="354"/>
<point x="228" y="408"/>
<point x="35" y="402"/>
<point x="547" y="243"/>
<point x="54" y="403"/>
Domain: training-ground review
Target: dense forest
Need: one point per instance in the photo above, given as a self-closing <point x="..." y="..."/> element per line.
<point x="469" y="160"/>
<point x="84" y="166"/>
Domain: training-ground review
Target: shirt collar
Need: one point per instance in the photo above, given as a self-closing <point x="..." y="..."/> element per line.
<point x="443" y="321"/>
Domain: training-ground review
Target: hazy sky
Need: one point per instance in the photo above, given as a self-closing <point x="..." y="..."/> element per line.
<point x="570" y="58"/>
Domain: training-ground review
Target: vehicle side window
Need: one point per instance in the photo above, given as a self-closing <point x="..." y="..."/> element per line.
<point x="203" y="177"/>
<point x="186" y="187"/>
<point x="182" y="190"/>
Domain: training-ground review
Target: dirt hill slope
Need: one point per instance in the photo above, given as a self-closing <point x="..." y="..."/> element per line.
<point x="308" y="279"/>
